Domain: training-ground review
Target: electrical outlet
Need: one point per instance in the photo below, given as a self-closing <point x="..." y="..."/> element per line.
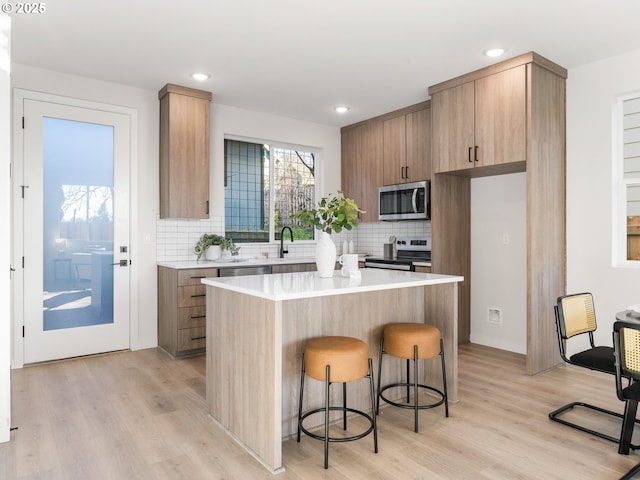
<point x="494" y="315"/>
<point x="505" y="239"/>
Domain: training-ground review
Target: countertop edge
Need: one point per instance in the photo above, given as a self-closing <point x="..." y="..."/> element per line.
<point x="430" y="279"/>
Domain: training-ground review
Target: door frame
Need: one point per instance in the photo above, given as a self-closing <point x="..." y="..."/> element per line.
<point x="19" y="96"/>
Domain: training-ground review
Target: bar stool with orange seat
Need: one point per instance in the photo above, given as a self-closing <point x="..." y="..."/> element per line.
<point x="412" y="341"/>
<point x="337" y="360"/>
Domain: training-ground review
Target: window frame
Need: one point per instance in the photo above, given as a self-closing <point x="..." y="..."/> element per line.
<point x="318" y="180"/>
<point x="621" y="186"/>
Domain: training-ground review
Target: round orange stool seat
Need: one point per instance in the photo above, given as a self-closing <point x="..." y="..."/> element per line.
<point x="412" y="342"/>
<point x="347" y="357"/>
<point x="400" y="338"/>
<point x="337" y="360"/>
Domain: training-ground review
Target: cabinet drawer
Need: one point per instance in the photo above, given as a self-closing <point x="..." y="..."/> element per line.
<point x="192" y="338"/>
<point x="192" y="296"/>
<point x="190" y="317"/>
<point x="195" y="275"/>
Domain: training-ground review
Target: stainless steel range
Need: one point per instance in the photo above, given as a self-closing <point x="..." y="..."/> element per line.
<point x="408" y="250"/>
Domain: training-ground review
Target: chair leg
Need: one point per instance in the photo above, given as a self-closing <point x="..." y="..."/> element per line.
<point x="326" y="418"/>
<point x="377" y="412"/>
<point x="630" y="409"/>
<point x="444" y="380"/>
<point x="415" y="387"/>
<point x="344" y="405"/>
<point x="302" y="373"/>
<point x="408" y="383"/>
<point x="373" y="407"/>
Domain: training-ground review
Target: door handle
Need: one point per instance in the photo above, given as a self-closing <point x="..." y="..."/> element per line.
<point x="121" y="263"/>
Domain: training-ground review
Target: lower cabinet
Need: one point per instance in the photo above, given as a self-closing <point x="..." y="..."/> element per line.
<point x="294" y="267"/>
<point x="421" y="269"/>
<point x="182" y="310"/>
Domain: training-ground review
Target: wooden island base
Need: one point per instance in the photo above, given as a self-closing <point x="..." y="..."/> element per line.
<point x="255" y="345"/>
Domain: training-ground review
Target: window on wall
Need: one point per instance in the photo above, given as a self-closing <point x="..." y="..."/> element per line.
<point x="629" y="177"/>
<point x="264" y="185"/>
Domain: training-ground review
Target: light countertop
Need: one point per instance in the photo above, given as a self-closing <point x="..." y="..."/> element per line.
<point x="289" y="286"/>
<point x="237" y="262"/>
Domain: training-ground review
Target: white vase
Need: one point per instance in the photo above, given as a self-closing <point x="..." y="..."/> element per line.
<point x="325" y="255"/>
<point x="213" y="252"/>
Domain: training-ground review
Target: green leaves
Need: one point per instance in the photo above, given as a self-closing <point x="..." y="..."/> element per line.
<point x="334" y="213"/>
<point x="208" y="239"/>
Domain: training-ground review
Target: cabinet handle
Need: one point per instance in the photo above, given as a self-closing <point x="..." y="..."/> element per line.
<point x="197" y="316"/>
<point x="406" y="172"/>
<point x="207" y="207"/>
<point x="198" y="338"/>
<point x="475" y="154"/>
<point x="196" y="278"/>
<point x="201" y="295"/>
<point x="469" y="155"/>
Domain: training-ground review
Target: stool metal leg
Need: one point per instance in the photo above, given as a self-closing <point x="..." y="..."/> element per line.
<point x="326" y="418"/>
<point x="377" y="411"/>
<point x="344" y="405"/>
<point x="373" y="408"/>
<point x="444" y="380"/>
<point x="302" y="375"/>
<point x="415" y="388"/>
<point x="408" y="382"/>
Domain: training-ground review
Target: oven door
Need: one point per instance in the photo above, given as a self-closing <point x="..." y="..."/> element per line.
<point x="408" y="201"/>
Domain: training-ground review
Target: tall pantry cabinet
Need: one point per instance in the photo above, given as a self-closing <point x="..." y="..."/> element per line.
<point x="184" y="152"/>
<point x="506" y="118"/>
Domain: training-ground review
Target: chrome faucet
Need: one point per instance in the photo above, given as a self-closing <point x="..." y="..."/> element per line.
<point x="282" y="250"/>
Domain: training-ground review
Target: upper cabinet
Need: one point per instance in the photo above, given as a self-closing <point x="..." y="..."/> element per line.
<point x="389" y="149"/>
<point x="361" y="166"/>
<point x="480" y="122"/>
<point x="407" y="149"/>
<point x="184" y="152"/>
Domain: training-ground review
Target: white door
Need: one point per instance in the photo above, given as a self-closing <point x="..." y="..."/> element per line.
<point x="76" y="230"/>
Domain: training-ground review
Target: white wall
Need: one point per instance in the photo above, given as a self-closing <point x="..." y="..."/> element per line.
<point x="144" y="184"/>
<point x="5" y="235"/>
<point x="499" y="261"/>
<point x="591" y="92"/>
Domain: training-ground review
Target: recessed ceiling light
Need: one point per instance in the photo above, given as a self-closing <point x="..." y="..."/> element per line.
<point x="342" y="109"/>
<point x="200" y="76"/>
<point x="494" y="52"/>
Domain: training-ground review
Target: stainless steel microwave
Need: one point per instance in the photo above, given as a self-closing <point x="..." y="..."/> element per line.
<point x="405" y="201"/>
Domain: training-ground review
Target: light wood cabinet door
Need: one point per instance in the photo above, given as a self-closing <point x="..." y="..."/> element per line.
<point x="452" y="128"/>
<point x="500" y="117"/>
<point x="351" y="164"/>
<point x="480" y="123"/>
<point x="395" y="150"/>
<point x="371" y="170"/>
<point x="181" y="310"/>
<point x="418" y="136"/>
<point x="361" y="167"/>
<point x="184" y="152"/>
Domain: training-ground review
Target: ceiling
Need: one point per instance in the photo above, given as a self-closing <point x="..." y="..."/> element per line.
<point x="301" y="59"/>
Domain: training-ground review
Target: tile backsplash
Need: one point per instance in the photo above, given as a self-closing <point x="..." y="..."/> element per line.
<point x="175" y="239"/>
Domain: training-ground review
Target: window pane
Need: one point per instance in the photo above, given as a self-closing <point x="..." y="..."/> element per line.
<point x="633" y="222"/>
<point x="294" y="185"/>
<point x="245" y="205"/>
<point x="248" y="194"/>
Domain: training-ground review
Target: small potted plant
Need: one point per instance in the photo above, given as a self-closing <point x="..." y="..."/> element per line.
<point x="333" y="214"/>
<point x="211" y="246"/>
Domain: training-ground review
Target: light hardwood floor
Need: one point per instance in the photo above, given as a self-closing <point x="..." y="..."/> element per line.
<point x="142" y="415"/>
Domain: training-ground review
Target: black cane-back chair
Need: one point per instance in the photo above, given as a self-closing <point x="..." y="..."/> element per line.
<point x="575" y="317"/>
<point x="626" y="343"/>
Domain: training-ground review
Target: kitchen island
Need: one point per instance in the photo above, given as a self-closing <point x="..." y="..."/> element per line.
<point x="257" y="327"/>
